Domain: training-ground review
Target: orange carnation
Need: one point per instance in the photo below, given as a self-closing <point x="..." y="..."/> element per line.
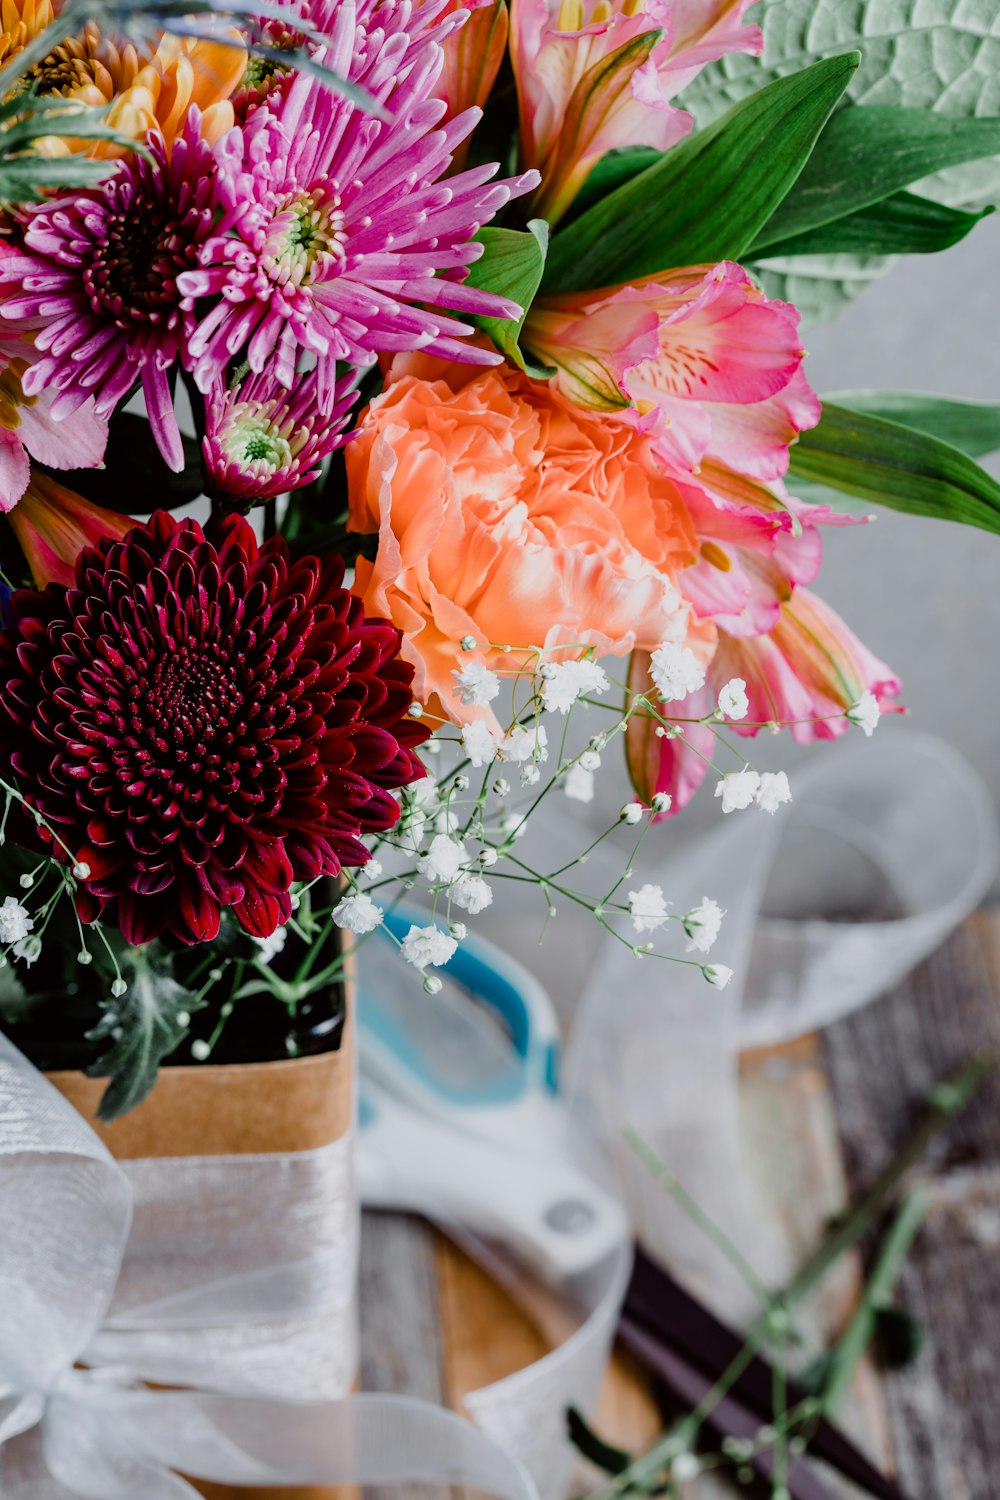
<point x="506" y="515"/>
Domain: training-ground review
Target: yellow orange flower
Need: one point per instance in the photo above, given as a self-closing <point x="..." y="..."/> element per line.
<point x="146" y="87"/>
<point x="506" y="515"/>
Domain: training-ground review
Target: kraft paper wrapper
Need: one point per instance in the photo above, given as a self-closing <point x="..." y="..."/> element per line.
<point x="231" y="1109"/>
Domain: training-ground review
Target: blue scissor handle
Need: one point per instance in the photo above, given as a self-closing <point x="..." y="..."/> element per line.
<point x="507" y="988"/>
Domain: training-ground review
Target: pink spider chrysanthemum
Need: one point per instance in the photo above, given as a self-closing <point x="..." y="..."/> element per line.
<point x="96" y="274"/>
<point x="337" y="236"/>
<point x="262" y="440"/>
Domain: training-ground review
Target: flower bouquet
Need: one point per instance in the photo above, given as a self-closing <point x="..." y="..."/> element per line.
<point x="402" y="403"/>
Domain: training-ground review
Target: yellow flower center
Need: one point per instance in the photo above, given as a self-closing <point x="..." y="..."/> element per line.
<point x="12" y="396"/>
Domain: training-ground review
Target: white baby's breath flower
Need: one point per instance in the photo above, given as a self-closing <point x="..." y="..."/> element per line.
<point x="684" y="1468"/>
<point x="631" y="813"/>
<point x="15" y="921"/>
<point x="647" y="908"/>
<point x="427" y="945"/>
<point x="443" y="860"/>
<point x="661" y="802"/>
<point x="481" y="744"/>
<point x="525" y="742"/>
<point x="737" y="790"/>
<point x="472" y="894"/>
<point x="676" y="671"/>
<point x="271" y="946"/>
<point x="579" y="783"/>
<point x="29" y="949"/>
<point x="590" y="760"/>
<point x="423" y="793"/>
<point x="372" y="870"/>
<point x="865" y="713"/>
<point x="411" y="829"/>
<point x="530" y="775"/>
<point x="488" y="857"/>
<point x="773" y="791"/>
<point x="702" y="925"/>
<point x="563" y="682"/>
<point x="733" y="700"/>
<point x="718" y="975"/>
<point x="476" y="685"/>
<point x="357" y="912"/>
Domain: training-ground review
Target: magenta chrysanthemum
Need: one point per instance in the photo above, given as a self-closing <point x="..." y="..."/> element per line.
<point x="97" y="275"/>
<point x="262" y="440"/>
<point x="337" y="236"/>
<point x="204" y="722"/>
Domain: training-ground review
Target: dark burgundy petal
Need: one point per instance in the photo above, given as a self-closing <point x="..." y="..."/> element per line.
<point x="205" y="723"/>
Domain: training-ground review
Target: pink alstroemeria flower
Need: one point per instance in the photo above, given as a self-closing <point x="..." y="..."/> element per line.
<point x="53" y="525"/>
<point x="592" y="77"/>
<point x="756" y="547"/>
<point x="709" y="365"/>
<point x="806" y="674"/>
<point x="472" y="57"/>
<point x="28" y="429"/>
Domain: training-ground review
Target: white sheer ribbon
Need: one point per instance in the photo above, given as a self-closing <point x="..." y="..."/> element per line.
<point x="899" y="827"/>
<point x="190" y="1273"/>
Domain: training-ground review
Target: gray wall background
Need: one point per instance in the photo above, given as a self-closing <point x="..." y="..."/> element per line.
<point x="925" y="595"/>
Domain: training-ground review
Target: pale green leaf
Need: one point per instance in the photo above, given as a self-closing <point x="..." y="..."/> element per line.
<point x="941" y="55"/>
<point x="896" y="466"/>
<point x="707" y="198"/>
<point x="973" y="426"/>
<point x="511" y="265"/>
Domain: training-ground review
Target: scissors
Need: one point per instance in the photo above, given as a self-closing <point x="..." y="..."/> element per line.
<point x="459" y="1111"/>
<point x="458" y="1108"/>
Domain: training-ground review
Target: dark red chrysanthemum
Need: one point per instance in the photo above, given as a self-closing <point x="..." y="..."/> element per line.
<point x="204" y="722"/>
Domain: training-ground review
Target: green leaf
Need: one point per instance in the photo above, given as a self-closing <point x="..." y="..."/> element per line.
<point x="899" y="1337"/>
<point x="867" y="153"/>
<point x="511" y="266"/>
<point x="896" y="466"/>
<point x="942" y="56"/>
<point x="708" y="198"/>
<point x="144" y="1026"/>
<point x="902" y="224"/>
<point x="593" y="1447"/>
<point x="613" y="169"/>
<point x="972" y="426"/>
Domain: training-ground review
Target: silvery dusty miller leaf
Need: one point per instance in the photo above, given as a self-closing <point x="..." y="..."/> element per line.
<point x="927" y="54"/>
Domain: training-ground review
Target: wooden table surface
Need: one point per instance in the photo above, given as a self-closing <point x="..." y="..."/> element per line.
<point x="821" y="1116"/>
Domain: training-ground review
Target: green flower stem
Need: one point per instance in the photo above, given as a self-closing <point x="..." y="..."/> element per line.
<point x="946" y="1102"/>
<point x="856" y="1337"/>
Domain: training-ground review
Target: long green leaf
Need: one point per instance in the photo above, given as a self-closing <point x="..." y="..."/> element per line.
<point x="896" y="466"/>
<point x="973" y="426"/>
<point x="511" y="266"/>
<point x="902" y="224"/>
<point x="939" y="55"/>
<point x="708" y="198"/>
<point x="613" y="170"/>
<point x="868" y="152"/>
